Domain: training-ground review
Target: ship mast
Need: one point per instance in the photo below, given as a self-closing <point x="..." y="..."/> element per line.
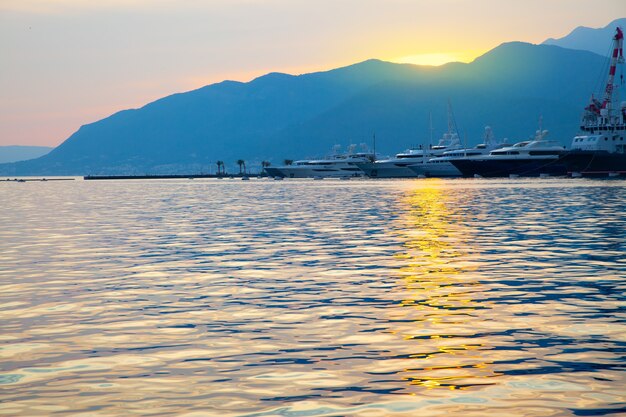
<point x="617" y="57"/>
<point x="599" y="114"/>
<point x="430" y="128"/>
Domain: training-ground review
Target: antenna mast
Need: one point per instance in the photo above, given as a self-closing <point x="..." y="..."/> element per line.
<point x="430" y="124"/>
<point x="451" y="127"/>
<point x="374" y="136"/>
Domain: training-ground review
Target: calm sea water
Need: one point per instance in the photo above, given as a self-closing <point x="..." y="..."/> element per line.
<point x="313" y="298"/>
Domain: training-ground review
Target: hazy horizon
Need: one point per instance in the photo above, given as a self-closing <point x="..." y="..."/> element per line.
<point x="70" y="64"/>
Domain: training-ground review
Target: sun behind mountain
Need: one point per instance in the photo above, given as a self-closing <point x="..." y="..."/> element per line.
<point x="437" y="59"/>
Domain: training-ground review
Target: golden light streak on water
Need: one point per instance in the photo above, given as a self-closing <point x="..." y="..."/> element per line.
<point x="439" y="292"/>
<point x="312" y="298"/>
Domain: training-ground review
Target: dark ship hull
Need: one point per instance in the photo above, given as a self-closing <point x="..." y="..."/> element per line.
<point x="598" y="163"/>
<point x="273" y="172"/>
<point x="490" y="168"/>
<point x="586" y="163"/>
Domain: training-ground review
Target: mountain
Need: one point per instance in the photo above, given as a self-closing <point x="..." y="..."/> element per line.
<point x="281" y="116"/>
<point x="589" y="39"/>
<point x="22" y="153"/>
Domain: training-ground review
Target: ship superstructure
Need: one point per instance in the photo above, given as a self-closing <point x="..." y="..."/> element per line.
<point x="601" y="146"/>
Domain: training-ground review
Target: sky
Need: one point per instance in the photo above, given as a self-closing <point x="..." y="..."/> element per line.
<point x="66" y="63"/>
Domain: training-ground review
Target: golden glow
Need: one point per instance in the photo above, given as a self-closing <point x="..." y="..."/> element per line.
<point x="427" y="59"/>
<point x="439" y="302"/>
<point x="440" y="58"/>
<point x="437" y="59"/>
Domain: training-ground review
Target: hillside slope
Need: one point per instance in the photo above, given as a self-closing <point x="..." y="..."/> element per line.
<point x="281" y="116"/>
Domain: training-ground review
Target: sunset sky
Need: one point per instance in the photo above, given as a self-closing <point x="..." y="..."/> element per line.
<point x="65" y="63"/>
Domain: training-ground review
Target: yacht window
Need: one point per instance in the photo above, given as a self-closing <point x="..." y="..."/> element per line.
<point x="543" y="153"/>
<point x="505" y="153"/>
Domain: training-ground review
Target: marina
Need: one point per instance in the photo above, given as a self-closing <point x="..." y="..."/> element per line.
<point x="599" y="151"/>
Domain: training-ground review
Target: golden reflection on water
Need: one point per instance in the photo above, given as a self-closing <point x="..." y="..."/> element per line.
<point x="307" y="298"/>
<point x="441" y="293"/>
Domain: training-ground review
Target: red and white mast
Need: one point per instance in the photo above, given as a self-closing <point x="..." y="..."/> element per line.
<point x="617" y="57"/>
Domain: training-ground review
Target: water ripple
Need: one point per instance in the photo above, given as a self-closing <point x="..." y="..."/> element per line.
<point x="313" y="298"/>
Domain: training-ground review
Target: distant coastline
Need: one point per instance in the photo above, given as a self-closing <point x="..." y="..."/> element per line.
<point x="18" y="153"/>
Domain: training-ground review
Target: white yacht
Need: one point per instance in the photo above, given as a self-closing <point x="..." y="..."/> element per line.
<point x="398" y="167"/>
<point x="536" y="157"/>
<point x="336" y="165"/>
<point x="442" y="167"/>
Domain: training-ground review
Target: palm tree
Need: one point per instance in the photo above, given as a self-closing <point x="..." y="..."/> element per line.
<point x="265" y="164"/>
<point x="220" y="168"/>
<point x="241" y="163"/>
<point x="288" y="161"/>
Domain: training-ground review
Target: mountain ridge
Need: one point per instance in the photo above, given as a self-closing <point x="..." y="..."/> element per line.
<point x="279" y="115"/>
<point x="596" y="40"/>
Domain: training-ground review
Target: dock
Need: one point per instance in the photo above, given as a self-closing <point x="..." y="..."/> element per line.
<point x="164" y="177"/>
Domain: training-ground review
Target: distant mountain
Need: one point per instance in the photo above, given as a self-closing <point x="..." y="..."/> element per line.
<point x="281" y="116"/>
<point x="22" y="153"/>
<point x="589" y="39"/>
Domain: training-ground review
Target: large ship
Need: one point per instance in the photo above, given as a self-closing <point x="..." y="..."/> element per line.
<point x="336" y="165"/>
<point x="599" y="150"/>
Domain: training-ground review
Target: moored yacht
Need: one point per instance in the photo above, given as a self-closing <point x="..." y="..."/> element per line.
<point x="398" y="167"/>
<point x="441" y="165"/>
<point x="535" y="157"/>
<point x="273" y="172"/>
<point x="336" y="165"/>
